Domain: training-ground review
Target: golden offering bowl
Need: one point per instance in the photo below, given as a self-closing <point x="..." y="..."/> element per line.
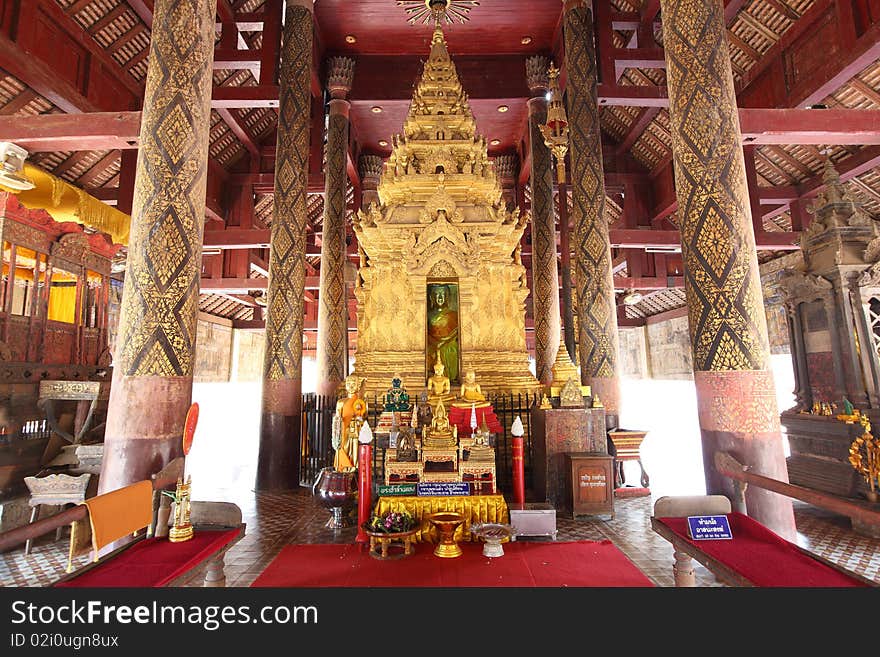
<point x="446" y="523"/>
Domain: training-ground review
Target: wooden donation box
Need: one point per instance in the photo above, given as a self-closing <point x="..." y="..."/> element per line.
<point x="554" y="433"/>
<point x="589" y="479"/>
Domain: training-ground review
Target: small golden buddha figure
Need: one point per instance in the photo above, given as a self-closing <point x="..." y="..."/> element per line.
<point x="471" y="394"/>
<point x="439" y="388"/>
<point x="441" y="433"/>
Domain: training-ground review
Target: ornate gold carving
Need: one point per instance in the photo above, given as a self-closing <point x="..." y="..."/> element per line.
<point x="284" y="316"/>
<point x="332" y="351"/>
<point x="570" y="396"/>
<point x="441" y="218"/>
<point x="722" y="283"/>
<point x="545" y="276"/>
<point x="157" y="324"/>
<point x="555" y="131"/>
<point x="594" y="287"/>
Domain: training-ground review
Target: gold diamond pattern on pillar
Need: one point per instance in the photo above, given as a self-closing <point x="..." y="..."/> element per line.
<point x="725" y="302"/>
<point x="284" y="319"/>
<point x="332" y="311"/>
<point x="545" y="278"/>
<point x="157" y="325"/>
<point x="594" y="287"/>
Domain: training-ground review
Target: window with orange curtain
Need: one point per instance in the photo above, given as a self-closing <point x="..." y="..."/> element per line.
<point x="62" y="296"/>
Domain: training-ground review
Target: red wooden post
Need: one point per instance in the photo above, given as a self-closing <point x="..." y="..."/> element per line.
<point x="519" y="476"/>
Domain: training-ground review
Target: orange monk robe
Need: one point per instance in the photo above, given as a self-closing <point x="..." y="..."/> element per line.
<point x="346" y="455"/>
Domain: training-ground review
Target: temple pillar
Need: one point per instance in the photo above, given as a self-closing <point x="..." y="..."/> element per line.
<point x="545" y="276"/>
<point x="280" y="425"/>
<point x="370" y="168"/>
<point x="332" y="348"/>
<point x="153" y="365"/>
<point x="594" y="286"/>
<point x="736" y="396"/>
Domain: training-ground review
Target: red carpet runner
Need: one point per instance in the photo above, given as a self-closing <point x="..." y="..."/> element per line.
<point x="524" y="564"/>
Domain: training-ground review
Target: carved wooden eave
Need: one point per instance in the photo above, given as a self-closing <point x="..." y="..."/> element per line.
<point x="797" y="287"/>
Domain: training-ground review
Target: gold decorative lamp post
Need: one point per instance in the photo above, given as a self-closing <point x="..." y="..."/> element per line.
<point x="555" y="131"/>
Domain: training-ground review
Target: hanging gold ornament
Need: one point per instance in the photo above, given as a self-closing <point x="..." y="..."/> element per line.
<point x="555" y="130"/>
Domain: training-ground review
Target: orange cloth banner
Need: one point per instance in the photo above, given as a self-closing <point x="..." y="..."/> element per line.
<point x="119" y="513"/>
<point x="62" y="303"/>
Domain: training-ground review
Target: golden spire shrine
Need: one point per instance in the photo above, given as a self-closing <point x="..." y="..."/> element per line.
<point x="440" y="277"/>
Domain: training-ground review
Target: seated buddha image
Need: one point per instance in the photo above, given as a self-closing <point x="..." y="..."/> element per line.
<point x="396" y="398"/>
<point x="439" y="387"/>
<point x="471" y="393"/>
<point x="441" y="433"/>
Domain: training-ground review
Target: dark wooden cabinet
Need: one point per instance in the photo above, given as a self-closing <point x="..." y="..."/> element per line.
<point x="590" y="483"/>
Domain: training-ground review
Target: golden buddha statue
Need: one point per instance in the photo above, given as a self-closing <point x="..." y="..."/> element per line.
<point x="441" y="432"/>
<point x="471" y="394"/>
<point x="439" y="387"/>
<point x="347" y="421"/>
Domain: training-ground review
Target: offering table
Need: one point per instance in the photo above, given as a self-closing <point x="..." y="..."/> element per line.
<point x="476" y="509"/>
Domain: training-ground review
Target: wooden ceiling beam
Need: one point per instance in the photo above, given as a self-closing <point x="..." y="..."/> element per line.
<point x="19" y="102"/>
<point x="88" y="178"/>
<point x="107" y="18"/>
<point x="637" y="128"/>
<point x="239" y="129"/>
<point x="144" y="10"/>
<point x="89" y="131"/>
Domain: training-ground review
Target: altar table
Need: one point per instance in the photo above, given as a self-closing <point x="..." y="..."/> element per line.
<point x="474" y="508"/>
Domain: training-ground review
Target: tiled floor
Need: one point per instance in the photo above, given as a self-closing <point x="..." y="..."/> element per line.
<point x="277" y="519"/>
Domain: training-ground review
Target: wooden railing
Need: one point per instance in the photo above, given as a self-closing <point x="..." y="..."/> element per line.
<point x="728" y="466"/>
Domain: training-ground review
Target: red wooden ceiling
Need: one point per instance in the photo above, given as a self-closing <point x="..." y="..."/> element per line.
<point x="370" y="127"/>
<point x="496" y="26"/>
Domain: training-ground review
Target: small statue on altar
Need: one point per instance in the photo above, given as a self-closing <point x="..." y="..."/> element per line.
<point x="347" y="421"/>
<point x="396" y="398"/>
<point x="423" y="412"/>
<point x="482" y="450"/>
<point x="439" y="388"/>
<point x="441" y="431"/>
<point x="406" y="443"/>
<point x="545" y="403"/>
<point x="471" y="393"/>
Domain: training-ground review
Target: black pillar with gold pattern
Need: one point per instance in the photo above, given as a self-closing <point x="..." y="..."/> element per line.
<point x="153" y="364"/>
<point x="280" y="427"/>
<point x="736" y="396"/>
<point x="332" y="351"/>
<point x="594" y="285"/>
<point x="545" y="275"/>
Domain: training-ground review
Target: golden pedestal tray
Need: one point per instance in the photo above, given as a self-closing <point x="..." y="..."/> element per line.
<point x="382" y="542"/>
<point x="446" y="523"/>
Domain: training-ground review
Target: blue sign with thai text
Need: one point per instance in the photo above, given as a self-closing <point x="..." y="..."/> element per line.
<point x="708" y="527"/>
<point x="443" y="488"/>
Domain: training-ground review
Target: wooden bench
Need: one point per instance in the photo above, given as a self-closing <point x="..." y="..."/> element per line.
<point x="155" y="561"/>
<point x="147" y="560"/>
<point x="755" y="556"/>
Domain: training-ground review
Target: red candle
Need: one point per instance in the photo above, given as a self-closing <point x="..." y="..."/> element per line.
<point x="519" y="475"/>
<point x="365" y="489"/>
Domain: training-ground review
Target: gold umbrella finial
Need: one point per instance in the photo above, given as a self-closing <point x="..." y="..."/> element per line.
<point x="555" y="130"/>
